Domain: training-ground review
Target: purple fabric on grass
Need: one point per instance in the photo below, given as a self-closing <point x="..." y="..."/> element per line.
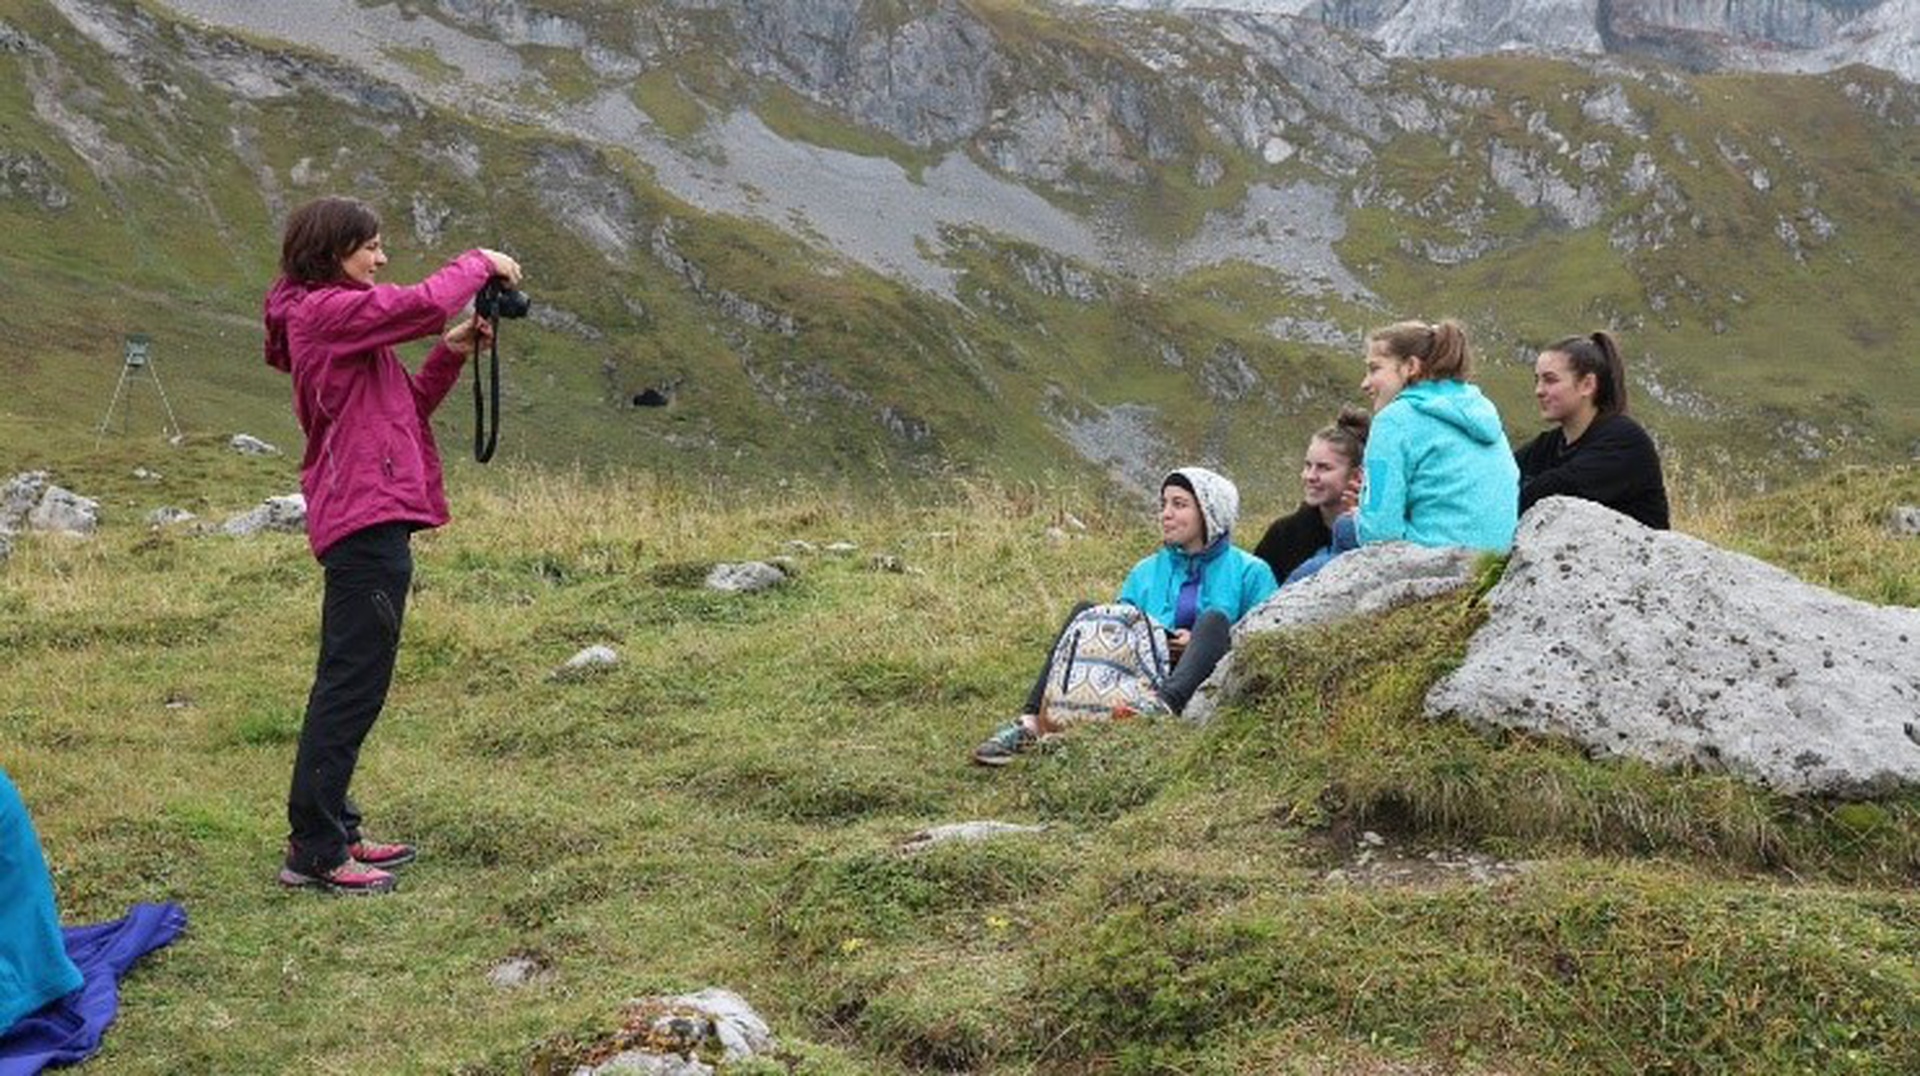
<point x="70" y="1029"/>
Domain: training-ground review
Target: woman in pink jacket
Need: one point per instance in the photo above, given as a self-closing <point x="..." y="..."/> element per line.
<point x="371" y="475"/>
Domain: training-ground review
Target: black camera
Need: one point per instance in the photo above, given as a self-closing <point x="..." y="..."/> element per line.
<point x="496" y="300"/>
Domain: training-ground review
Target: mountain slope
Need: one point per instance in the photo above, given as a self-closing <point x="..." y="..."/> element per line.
<point x="1778" y="35"/>
<point x="897" y="239"/>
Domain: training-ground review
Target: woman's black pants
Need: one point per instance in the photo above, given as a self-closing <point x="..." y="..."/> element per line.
<point x="367" y="575"/>
<point x="1211" y="639"/>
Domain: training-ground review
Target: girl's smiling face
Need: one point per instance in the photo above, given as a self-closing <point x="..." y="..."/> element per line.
<point x="1562" y="394"/>
<point x="1387" y="374"/>
<point x="1326" y="475"/>
<point x="365" y="262"/>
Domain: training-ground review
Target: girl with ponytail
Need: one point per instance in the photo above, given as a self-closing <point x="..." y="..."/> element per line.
<point x="1594" y="450"/>
<point x="1438" y="469"/>
<point x="1298" y="545"/>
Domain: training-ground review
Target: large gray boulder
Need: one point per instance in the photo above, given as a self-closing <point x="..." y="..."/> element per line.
<point x="1655" y="645"/>
<point x="1371" y="579"/>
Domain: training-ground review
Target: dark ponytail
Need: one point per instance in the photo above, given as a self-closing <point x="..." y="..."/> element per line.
<point x="1348" y="434"/>
<point x="1597" y="354"/>
<point x="1442" y="349"/>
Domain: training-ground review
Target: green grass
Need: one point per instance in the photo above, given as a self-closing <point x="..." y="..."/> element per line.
<point x="724" y="808"/>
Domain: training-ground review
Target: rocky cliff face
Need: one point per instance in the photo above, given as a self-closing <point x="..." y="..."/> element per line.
<point x="944" y="226"/>
<point x="1768" y="35"/>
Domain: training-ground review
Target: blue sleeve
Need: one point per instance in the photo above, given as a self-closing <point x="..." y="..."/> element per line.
<point x="1383" y="504"/>
<point x="1256" y="585"/>
<point x="1307" y="567"/>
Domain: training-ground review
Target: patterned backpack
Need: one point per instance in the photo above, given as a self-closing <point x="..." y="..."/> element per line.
<point x="1110" y="662"/>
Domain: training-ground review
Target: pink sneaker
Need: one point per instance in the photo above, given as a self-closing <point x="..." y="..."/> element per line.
<point x="382" y="855"/>
<point x="352" y="876"/>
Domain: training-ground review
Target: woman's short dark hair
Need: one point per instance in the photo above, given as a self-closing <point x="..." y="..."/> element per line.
<point x="321" y="233"/>
<point x="1597" y="354"/>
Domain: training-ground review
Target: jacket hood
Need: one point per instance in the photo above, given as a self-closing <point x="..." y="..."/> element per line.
<point x="285" y="294"/>
<point x="1459" y="405"/>
<point x="1219" y="499"/>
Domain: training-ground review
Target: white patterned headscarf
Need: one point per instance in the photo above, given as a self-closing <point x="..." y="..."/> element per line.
<point x="1219" y="499"/>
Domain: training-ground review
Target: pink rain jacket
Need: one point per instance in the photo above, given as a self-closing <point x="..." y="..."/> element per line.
<point x="370" y="454"/>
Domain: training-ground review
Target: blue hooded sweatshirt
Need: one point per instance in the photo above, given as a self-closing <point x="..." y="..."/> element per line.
<point x="1439" y="472"/>
<point x="1229" y="578"/>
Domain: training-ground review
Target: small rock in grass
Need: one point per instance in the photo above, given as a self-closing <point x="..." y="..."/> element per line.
<point x="248" y="445"/>
<point x="1904" y="521"/>
<point x="591" y="659"/>
<point x="963" y="832"/>
<point x="745" y="577"/>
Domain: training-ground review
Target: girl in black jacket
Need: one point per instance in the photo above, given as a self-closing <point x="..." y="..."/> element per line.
<point x="1595" y="450"/>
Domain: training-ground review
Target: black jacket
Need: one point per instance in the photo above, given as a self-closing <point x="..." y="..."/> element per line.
<point x="1613" y="463"/>
<point x="1292" y="539"/>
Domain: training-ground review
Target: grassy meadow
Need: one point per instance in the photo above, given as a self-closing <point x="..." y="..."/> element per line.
<point x="724" y="808"/>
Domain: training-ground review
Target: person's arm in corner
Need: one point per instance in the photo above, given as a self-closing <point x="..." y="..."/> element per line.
<point x="1614" y="461"/>
<point x="1383" y="507"/>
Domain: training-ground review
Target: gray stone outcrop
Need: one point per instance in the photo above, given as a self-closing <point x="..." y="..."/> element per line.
<point x="62" y="511"/>
<point x="30" y="501"/>
<point x="1659" y="646"/>
<point x="590" y="659"/>
<point x="1371" y="579"/>
<point x="688" y="1035"/>
<point x="21" y="493"/>
<point x="1904" y="521"/>
<point x="964" y="833"/>
<point x="248" y="445"/>
<point x="285" y="514"/>
<point x="745" y="577"/>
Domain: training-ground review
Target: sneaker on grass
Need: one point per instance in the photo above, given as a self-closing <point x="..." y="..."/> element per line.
<point x="382" y="854"/>
<point x="999" y="748"/>
<point x="352" y="876"/>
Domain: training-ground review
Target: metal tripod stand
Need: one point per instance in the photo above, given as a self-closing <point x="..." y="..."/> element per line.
<point x="138" y="366"/>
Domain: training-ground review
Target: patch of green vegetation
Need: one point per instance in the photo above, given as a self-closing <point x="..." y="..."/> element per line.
<point x="797" y="119"/>
<point x="425" y="63"/>
<point x="661" y="96"/>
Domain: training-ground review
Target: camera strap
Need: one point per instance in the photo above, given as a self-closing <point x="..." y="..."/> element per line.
<point x="485" y="437"/>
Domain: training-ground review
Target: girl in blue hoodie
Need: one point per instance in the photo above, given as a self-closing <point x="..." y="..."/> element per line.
<point x="1196" y="586"/>
<point x="1438" y="469"/>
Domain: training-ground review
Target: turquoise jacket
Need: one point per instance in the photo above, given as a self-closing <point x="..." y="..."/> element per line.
<point x="1232" y="581"/>
<point x="1439" y="472"/>
<point x="34" y="968"/>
